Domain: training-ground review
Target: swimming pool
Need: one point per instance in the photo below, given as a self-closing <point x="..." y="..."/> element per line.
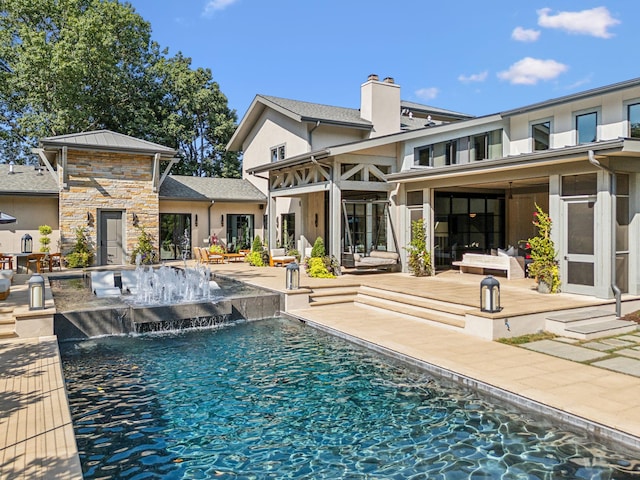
<point x="278" y="399"/>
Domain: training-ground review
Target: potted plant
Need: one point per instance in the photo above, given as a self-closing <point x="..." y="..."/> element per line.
<point x="544" y="266"/>
<point x="419" y="259"/>
<point x="45" y="231"/>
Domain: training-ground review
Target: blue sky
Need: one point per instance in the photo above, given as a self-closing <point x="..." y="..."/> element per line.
<point x="468" y="56"/>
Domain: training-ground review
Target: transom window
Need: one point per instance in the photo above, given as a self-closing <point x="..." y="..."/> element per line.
<point x="541" y="134"/>
<point x="587" y="127"/>
<point x="634" y="120"/>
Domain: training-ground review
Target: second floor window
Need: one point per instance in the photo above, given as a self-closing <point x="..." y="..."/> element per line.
<point x="423" y="156"/>
<point x="541" y="134"/>
<point x="278" y="153"/>
<point x="487" y="146"/>
<point x="634" y="120"/>
<point x="587" y="128"/>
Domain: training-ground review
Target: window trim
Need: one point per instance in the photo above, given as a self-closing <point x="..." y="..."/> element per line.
<point x="416" y="156"/>
<point x="627" y="120"/>
<point x="540" y="121"/>
<point x="280" y="152"/>
<point x="583" y="112"/>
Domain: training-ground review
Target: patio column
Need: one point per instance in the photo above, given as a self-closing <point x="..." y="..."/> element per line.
<point x="335" y="217"/>
<point x="271" y="220"/>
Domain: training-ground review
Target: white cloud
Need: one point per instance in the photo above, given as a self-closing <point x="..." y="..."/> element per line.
<point x="427" y="93"/>
<point x="593" y="22"/>
<point x="525" y="34"/>
<point x="474" y="77"/>
<point x="529" y="71"/>
<point x="214" y="5"/>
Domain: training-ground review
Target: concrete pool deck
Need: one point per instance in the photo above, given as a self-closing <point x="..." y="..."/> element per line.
<point x="36" y="432"/>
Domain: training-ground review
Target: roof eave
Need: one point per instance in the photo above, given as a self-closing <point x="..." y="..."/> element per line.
<point x="566" y="154"/>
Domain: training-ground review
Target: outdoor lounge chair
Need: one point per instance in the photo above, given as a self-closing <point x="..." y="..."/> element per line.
<point x="103" y="284"/>
<point x="278" y="256"/>
<point x="208" y="257"/>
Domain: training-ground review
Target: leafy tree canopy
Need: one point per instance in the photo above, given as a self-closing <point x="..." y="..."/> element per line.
<point x="70" y="66"/>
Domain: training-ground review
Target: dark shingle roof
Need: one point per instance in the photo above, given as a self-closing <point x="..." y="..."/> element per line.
<point x="427" y="109"/>
<point x="179" y="187"/>
<point x="316" y="111"/>
<point x="26" y="180"/>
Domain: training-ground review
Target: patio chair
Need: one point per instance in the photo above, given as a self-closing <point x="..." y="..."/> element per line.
<point x="6" y="262"/>
<point x="55" y="260"/>
<point x="197" y="255"/>
<point x="210" y="257"/>
<point x="103" y="284"/>
<point x="36" y="262"/>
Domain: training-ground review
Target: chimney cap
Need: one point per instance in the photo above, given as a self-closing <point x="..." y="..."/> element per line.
<point x="388" y="80"/>
<point x="373" y="76"/>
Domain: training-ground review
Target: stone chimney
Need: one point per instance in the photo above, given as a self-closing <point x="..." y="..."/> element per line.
<point x="380" y="104"/>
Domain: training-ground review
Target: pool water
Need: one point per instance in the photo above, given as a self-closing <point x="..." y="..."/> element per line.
<point x="278" y="399"/>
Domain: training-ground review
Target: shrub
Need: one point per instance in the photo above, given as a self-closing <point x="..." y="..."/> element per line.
<point x="318" y="269"/>
<point x="544" y="267"/>
<point x="318" y="248"/>
<point x="144" y="248"/>
<point x="216" y="249"/>
<point x="254" y="258"/>
<point x="81" y="254"/>
<point x="419" y="257"/>
<point x="257" y="244"/>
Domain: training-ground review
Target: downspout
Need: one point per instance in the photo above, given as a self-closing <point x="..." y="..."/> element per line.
<point x="311" y="135"/>
<point x="613" y="192"/>
<point x="209" y="219"/>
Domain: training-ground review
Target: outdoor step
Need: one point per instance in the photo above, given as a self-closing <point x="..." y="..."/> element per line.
<point x="414" y="300"/>
<point x="407" y="309"/>
<point x="332" y="291"/>
<point x="579" y="316"/>
<point x="601" y="329"/>
<point x="7" y="319"/>
<point x="331" y="300"/>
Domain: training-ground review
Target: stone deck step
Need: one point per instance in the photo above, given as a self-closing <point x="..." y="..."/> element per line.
<point x="415" y="300"/>
<point x="606" y="328"/>
<point x="330" y="300"/>
<point x="414" y="311"/>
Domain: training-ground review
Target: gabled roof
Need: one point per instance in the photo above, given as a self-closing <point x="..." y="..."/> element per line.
<point x="327" y="114"/>
<point x="26" y="180"/>
<point x="107" y="140"/>
<point x="182" y="187"/>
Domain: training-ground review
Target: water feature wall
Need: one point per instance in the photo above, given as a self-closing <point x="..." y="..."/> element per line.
<point x="157" y="299"/>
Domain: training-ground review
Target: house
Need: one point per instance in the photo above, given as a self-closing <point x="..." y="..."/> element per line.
<point x="292" y="136"/>
<point x="476" y="181"/>
<point x="110" y="185"/>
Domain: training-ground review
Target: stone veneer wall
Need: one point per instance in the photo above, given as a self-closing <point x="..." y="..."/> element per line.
<point x="109" y="181"/>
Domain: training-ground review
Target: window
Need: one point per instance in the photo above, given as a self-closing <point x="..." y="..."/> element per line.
<point x="423" y="156"/>
<point x="414" y="198"/>
<point x="573" y="185"/>
<point x="540" y="133"/>
<point x="634" y="120"/>
<point x="173" y="228"/>
<point x="487" y="146"/>
<point x="240" y="230"/>
<point x="587" y="127"/>
<point x="451" y="150"/>
<point x="278" y="153"/>
<point x="288" y="230"/>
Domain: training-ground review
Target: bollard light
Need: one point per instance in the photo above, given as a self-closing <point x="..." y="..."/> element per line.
<point x="27" y="243"/>
<point x="490" y="295"/>
<point x="36" y="292"/>
<point x="293" y="276"/>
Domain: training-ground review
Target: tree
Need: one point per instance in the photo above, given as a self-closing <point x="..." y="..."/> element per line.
<point x="198" y="118"/>
<point x="419" y="257"/>
<point x="70" y="66"/>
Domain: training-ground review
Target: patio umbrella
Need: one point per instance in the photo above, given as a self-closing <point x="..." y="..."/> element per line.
<point x="6" y="218"/>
